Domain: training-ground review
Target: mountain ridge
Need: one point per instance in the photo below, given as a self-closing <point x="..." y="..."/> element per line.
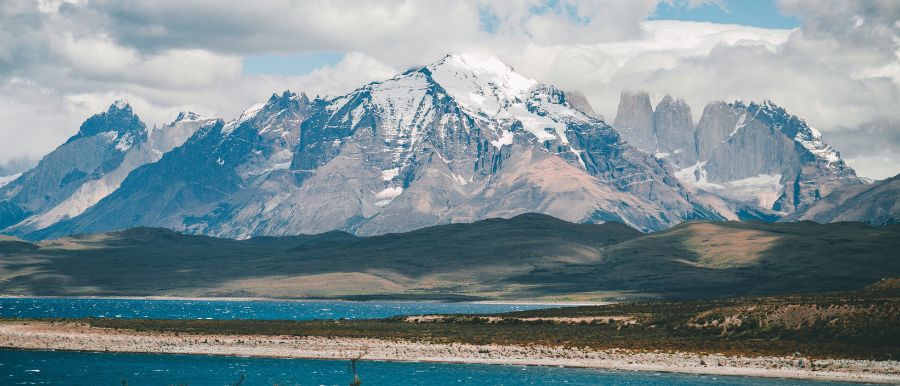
<point x="461" y="139"/>
<point x="753" y="154"/>
<point x="86" y="168"/>
<point x="529" y="256"/>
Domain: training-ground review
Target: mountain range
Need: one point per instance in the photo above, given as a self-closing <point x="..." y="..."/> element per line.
<point x="754" y="155"/>
<point x="462" y="139"/>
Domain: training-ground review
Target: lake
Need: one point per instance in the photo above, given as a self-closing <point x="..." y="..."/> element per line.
<point x="238" y="309"/>
<point x="80" y="368"/>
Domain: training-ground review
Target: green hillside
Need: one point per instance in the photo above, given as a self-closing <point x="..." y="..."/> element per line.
<point x="527" y="257"/>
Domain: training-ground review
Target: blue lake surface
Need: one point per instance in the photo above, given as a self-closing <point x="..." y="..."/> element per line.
<point x="80" y="368"/>
<point x="237" y="309"/>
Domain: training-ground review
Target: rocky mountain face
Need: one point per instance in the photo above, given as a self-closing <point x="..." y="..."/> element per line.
<point x="673" y="131"/>
<point x="754" y="154"/>
<point x="580" y="102"/>
<point x="875" y="204"/>
<point x="666" y="131"/>
<point x="462" y="139"/>
<point x="87" y="167"/>
<point x="634" y="121"/>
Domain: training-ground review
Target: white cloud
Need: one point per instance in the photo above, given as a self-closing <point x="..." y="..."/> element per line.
<point x="603" y="70"/>
<point x="353" y="71"/>
<point x="878" y="166"/>
<point x="63" y="60"/>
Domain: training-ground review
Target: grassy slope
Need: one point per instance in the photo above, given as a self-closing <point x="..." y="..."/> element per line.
<point x="529" y="256"/>
<point x="743" y="258"/>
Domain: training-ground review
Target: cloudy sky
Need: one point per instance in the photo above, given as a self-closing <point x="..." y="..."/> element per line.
<point x="836" y="64"/>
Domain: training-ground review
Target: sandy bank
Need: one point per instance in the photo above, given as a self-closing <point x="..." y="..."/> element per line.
<point x="73" y="336"/>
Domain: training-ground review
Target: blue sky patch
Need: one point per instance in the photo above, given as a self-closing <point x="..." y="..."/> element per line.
<point x="756" y="13"/>
<point x="487" y="20"/>
<point x="291" y="64"/>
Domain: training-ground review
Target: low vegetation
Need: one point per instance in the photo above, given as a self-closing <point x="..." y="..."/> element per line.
<point x="861" y="324"/>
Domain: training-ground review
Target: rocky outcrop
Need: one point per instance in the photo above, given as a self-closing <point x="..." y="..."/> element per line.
<point x="580" y="102"/>
<point x="673" y="128"/>
<point x="634" y="120"/>
<point x="876" y="204"/>
<point x="748" y="146"/>
<point x="755" y="154"/>
<point x="667" y="132"/>
<point x="88" y="167"/>
<point x="98" y="148"/>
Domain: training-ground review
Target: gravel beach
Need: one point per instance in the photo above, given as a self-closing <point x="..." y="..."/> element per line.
<point x="33" y="335"/>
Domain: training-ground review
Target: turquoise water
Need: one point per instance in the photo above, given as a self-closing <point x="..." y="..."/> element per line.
<point x="79" y="368"/>
<point x="232" y="309"/>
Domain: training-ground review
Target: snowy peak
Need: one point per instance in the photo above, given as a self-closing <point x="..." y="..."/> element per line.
<point x="812" y="148"/>
<point x="120" y="104"/>
<point x="189" y="116"/>
<point x="288" y="103"/>
<point x="795" y="128"/>
<point x="484" y="70"/>
<point x="480" y="83"/>
<point x="118" y="121"/>
<point x="490" y="90"/>
<point x="287" y="99"/>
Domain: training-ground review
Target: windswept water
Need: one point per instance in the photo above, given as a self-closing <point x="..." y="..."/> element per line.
<point x="80" y="368"/>
<point x="237" y="309"/>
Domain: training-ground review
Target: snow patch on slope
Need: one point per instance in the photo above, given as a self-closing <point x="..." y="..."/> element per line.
<point x="245" y="116"/>
<point x="389" y="174"/>
<point x="505" y="139"/>
<point x="696" y="176"/>
<point x="812" y="141"/>
<point x="763" y="189"/>
<point x="405" y="107"/>
<point x="742" y="121"/>
<point x="387" y="195"/>
<point x="7" y="179"/>
<point x="190" y="116"/>
<point x="125" y="142"/>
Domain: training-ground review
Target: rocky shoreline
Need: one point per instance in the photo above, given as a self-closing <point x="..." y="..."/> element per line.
<point x="33" y="335"/>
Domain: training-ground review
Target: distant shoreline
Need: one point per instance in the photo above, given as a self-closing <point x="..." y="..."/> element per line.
<point x="69" y="336"/>
<point x="310" y="300"/>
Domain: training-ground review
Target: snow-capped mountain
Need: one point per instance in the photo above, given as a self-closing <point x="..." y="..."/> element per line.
<point x="87" y="167"/>
<point x="756" y="154"/>
<point x="462" y="139"/>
